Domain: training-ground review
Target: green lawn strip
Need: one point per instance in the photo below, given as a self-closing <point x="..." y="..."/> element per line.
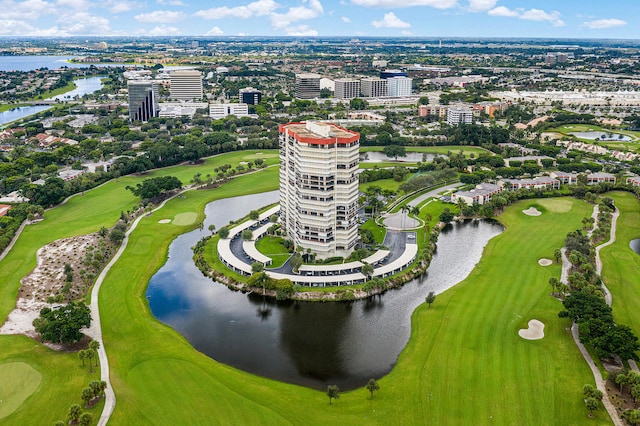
<point x="388" y="184"/>
<point x="210" y="254"/>
<point x="442" y="150"/>
<point x="434" y="208"/>
<point x="272" y="246"/>
<point x="621" y="265"/>
<point x="378" y="231"/>
<point x="62" y="381"/>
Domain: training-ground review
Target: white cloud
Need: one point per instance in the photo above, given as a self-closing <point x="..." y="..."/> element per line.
<point x="171" y="2"/>
<point x="81" y="23"/>
<point x="390" y="20"/>
<point x="481" y="5"/>
<point x="345" y="19"/>
<point x="301" y="31"/>
<point x="73" y="4"/>
<point x="122" y="6"/>
<point x="163" y="30"/>
<point x="438" y="4"/>
<point x="528" y="15"/>
<point x="256" y="8"/>
<point x="295" y="14"/>
<point x="160" y="16"/>
<point x="29" y="10"/>
<point x="599" y="24"/>
<point x="214" y="31"/>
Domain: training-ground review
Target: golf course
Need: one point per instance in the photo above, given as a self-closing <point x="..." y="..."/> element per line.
<point x="464" y="364"/>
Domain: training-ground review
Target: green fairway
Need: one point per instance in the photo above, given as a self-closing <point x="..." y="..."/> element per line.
<point x="183" y="219"/>
<point x="378" y="231"/>
<point x="272" y="246"/>
<point x="464" y="364"/>
<point x="621" y="265"/>
<point x="19" y="381"/>
<point x="441" y="150"/>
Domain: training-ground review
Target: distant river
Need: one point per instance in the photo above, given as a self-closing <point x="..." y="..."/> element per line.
<point x="30" y="63"/>
<point x="83" y="87"/>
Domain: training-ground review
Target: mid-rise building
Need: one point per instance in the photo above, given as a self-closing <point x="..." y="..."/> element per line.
<point x="373" y="87"/>
<point x="250" y="96"/>
<point x="307" y="86"/>
<point x="459" y="115"/>
<point x="392" y="73"/>
<point x="218" y="111"/>
<point x="186" y="85"/>
<point x="399" y="86"/>
<point x="143" y="99"/>
<point x="347" y="88"/>
<point x="319" y="187"/>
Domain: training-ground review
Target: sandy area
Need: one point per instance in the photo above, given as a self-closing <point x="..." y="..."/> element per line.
<point x="534" y="332"/>
<point x="48" y="279"/>
<point x="545" y="262"/>
<point x="164" y="221"/>
<point x="532" y="211"/>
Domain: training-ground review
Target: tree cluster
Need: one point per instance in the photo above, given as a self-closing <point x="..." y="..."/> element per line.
<point x="62" y="325"/>
<point x="154" y="187"/>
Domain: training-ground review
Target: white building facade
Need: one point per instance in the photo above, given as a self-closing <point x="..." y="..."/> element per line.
<point x="186" y="85"/>
<point x="347" y="88"/>
<point x="373" y="87"/>
<point x="459" y="115"/>
<point x="218" y="111"/>
<point x="399" y="86"/>
<point x="319" y="187"/>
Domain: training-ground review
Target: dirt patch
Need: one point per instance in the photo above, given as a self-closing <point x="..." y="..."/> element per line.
<point x="532" y="211"/>
<point x="545" y="262"/>
<point x="534" y="332"/>
<point x="64" y="271"/>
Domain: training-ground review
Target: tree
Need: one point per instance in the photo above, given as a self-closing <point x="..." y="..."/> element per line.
<point x="90" y="354"/>
<point x="98" y="387"/>
<point x="257" y="267"/>
<point x="63" y="325"/>
<point x="592" y="405"/>
<point x="431" y="297"/>
<point x="223" y="232"/>
<point x="82" y="354"/>
<point x="367" y="270"/>
<point x="333" y="392"/>
<point x="212" y="229"/>
<point x="94" y="345"/>
<point x="85" y="419"/>
<point x="153" y="187"/>
<point x="74" y="413"/>
<point x="247" y="235"/>
<point x="87" y="395"/>
<point x="254" y="214"/>
<point x="554" y="284"/>
<point x="446" y="216"/>
<point x="557" y="253"/>
<point x="394" y="151"/>
<point x="296" y="262"/>
<point x="372" y="386"/>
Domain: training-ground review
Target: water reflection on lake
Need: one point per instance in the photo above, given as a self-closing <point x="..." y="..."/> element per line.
<point x="378" y="157"/>
<point x="307" y="343"/>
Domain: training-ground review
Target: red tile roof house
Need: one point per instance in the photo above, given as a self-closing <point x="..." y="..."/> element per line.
<point x="4" y="208"/>
<point x="481" y="194"/>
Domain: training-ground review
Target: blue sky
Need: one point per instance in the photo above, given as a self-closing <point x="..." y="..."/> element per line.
<point x="428" y="18"/>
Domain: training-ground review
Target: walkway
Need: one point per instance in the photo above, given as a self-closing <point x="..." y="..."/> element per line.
<point x="566" y="266"/>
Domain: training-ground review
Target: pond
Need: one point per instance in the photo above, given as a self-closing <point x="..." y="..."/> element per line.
<point x="602" y="136"/>
<point x="305" y="343"/>
<point x="635" y="245"/>
<point x="379" y="157"/>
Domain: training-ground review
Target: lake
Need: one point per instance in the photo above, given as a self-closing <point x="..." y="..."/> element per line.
<point x="602" y="136"/>
<point x="635" y="245"/>
<point x="307" y="343"/>
<point x="30" y="63"/>
<point x="378" y="157"/>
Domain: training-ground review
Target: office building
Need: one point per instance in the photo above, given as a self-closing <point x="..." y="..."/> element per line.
<point x="143" y="99"/>
<point x="373" y="87"/>
<point x="186" y="85"/>
<point x="250" y="96"/>
<point x="307" y="86"/>
<point x="347" y="88"/>
<point x="399" y="86"/>
<point x="218" y="111"/>
<point x="319" y="187"/>
<point x="459" y="115"/>
<point x="392" y="73"/>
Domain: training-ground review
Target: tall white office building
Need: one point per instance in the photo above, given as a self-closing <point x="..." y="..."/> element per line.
<point x="307" y="86"/>
<point x="373" y="87"/>
<point x="186" y="85"/>
<point x="319" y="187"/>
<point x="399" y="86"/>
<point x="346" y="88"/>
<point x="459" y="115"/>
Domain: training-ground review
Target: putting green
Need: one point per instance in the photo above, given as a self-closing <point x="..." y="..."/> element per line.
<point x="555" y="205"/>
<point x="183" y="219"/>
<point x="19" y="381"/>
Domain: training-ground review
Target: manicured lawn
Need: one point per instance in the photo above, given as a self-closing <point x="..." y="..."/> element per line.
<point x="442" y="150"/>
<point x="464" y="364"/>
<point x="272" y="246"/>
<point x="621" y="265"/>
<point x="19" y="381"/>
<point x="378" y="231"/>
<point x="388" y="184"/>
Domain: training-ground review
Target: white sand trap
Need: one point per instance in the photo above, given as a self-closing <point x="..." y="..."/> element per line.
<point x="165" y="221"/>
<point x="545" y="262"/>
<point x="534" y="332"/>
<point x="532" y="211"/>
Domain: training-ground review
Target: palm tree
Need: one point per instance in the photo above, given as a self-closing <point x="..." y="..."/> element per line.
<point x="461" y="205"/>
<point x="74" y="413"/>
<point x="404" y="209"/>
<point x="82" y="355"/>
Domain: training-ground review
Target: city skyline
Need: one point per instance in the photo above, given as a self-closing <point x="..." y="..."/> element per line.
<point x="417" y="18"/>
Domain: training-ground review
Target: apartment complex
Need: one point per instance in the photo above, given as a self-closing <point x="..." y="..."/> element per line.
<point x="373" y="87"/>
<point x="307" y="86"/>
<point x="399" y="86"/>
<point x="186" y="85"/>
<point x="143" y="99"/>
<point x="347" y="88"/>
<point x="459" y="115"/>
<point x="319" y="187"/>
<point x="250" y="96"/>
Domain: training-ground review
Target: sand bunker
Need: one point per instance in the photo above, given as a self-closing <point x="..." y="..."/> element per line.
<point x="534" y="332"/>
<point x="164" y="221"/>
<point x="545" y="262"/>
<point x="532" y="211"/>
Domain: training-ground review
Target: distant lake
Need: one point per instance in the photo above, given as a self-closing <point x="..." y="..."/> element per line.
<point x="379" y="157"/>
<point x="30" y="63"/>
<point x="602" y="136"/>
